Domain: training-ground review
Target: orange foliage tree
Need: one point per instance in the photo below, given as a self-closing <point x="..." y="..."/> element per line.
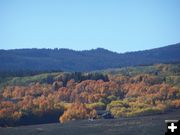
<point x="77" y="111"/>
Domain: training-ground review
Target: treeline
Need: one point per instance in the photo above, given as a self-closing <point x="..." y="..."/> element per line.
<point x="81" y="95"/>
<point x="49" y="78"/>
<point x="82" y="61"/>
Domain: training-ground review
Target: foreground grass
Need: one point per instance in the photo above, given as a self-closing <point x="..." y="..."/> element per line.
<point x="144" y="125"/>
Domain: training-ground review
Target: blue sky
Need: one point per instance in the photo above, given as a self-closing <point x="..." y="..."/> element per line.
<point x="117" y="25"/>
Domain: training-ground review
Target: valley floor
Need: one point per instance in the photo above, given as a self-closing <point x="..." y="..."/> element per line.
<point x="144" y="125"/>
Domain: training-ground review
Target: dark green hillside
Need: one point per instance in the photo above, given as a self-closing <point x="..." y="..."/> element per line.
<point x="69" y="60"/>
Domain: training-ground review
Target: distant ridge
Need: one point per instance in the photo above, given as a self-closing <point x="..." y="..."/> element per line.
<point x="87" y="60"/>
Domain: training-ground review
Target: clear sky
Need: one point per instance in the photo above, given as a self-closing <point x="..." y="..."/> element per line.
<point x="117" y="25"/>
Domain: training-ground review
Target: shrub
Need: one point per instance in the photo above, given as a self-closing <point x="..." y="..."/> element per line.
<point x="96" y="106"/>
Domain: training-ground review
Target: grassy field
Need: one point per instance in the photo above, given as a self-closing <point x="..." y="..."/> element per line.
<point x="145" y="125"/>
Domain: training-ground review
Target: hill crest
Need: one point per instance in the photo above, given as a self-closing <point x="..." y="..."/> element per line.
<point x="87" y="60"/>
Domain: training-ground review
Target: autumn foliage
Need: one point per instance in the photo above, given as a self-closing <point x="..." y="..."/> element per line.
<point x="122" y="95"/>
<point x="77" y="111"/>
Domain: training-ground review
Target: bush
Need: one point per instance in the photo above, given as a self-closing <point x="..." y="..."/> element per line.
<point x="96" y="106"/>
<point x="133" y="107"/>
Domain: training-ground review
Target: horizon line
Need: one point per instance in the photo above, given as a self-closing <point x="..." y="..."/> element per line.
<point x="76" y="50"/>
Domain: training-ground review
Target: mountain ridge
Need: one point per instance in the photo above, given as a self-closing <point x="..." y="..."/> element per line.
<point x="87" y="60"/>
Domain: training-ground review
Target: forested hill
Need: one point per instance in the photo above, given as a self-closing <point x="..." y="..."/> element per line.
<point x="88" y="60"/>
